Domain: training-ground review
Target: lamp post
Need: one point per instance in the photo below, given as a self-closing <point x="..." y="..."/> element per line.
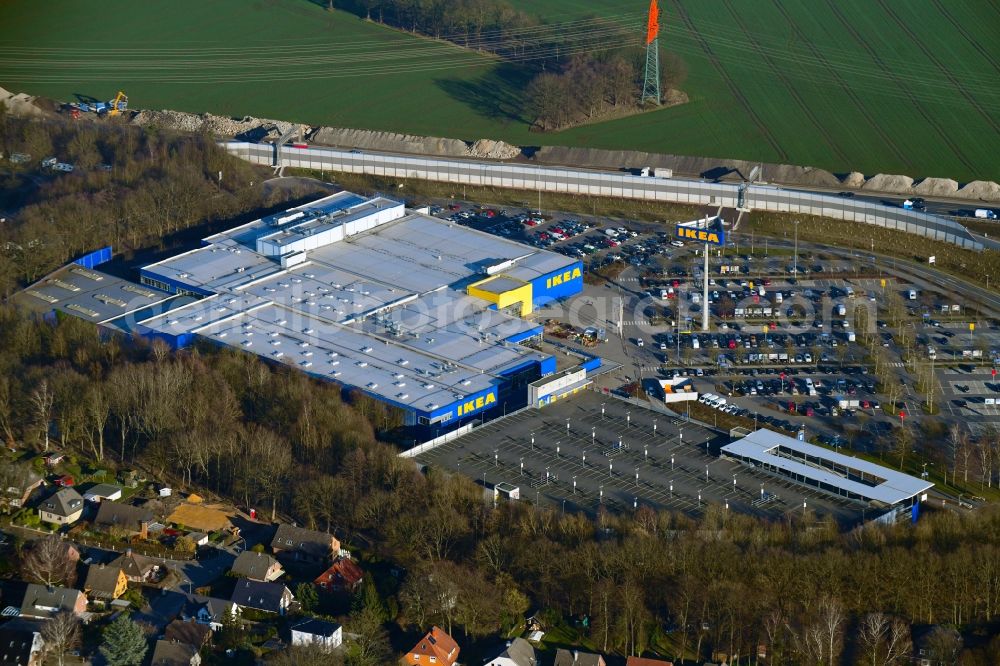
<point x="593" y="436"/>
<point x="496" y="457"/>
<point x="699" y="498"/>
<point x="574" y="485"/>
<point x="532" y="441"/>
<point x="671" y="488"/>
<point x="602" y="410"/>
<point x="584" y="459"/>
<point x="636" y="477"/>
<point x="567" y="426"/>
<point x="557" y="449"/>
<point x="706" y="472"/>
<point x="671" y="462"/>
<point x="628" y="418"/>
<point x="611" y="467"/>
<point x="600" y="494"/>
<point x="522" y="465"/>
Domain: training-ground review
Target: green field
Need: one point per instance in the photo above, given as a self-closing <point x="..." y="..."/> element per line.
<point x="897" y="86"/>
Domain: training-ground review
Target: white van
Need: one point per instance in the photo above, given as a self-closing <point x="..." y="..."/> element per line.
<point x="778" y="297"/>
<point x="695" y="343"/>
<point x="912" y="294"/>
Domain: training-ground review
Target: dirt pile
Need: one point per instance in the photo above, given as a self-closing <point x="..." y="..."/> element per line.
<point x="985" y="190"/>
<point x="248" y="127"/>
<point x="853" y="180"/>
<point x="936" y="187"/>
<point x="494" y="150"/>
<point x="889" y="183"/>
<point x="389" y="142"/>
<point x="19" y="104"/>
<point x="703" y="167"/>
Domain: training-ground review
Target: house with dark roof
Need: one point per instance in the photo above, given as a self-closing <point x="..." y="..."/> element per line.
<point x="518" y="652"/>
<point x="344" y="575"/>
<point x="326" y="635"/>
<point x="257" y="566"/>
<point x="64" y="507"/>
<point x="44" y="602"/>
<point x="304" y="545"/>
<point x="133" y="520"/>
<point x="137" y="568"/>
<point x="21" y="643"/>
<point x="102" y="492"/>
<point x="105" y="582"/>
<point x="174" y="653"/>
<point x="577" y="658"/>
<point x="436" y="647"/>
<point x="267" y="597"/>
<point x="190" y="632"/>
<point x="208" y="611"/>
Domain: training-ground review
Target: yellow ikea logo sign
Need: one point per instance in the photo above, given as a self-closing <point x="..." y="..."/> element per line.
<point x="472" y="405"/>
<point x="702" y="235"/>
<point x="566" y="276"/>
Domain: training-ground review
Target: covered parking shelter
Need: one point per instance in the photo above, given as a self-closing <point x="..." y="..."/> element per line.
<point x="826" y="470"/>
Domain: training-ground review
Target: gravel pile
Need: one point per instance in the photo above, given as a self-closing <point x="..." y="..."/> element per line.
<point x="389" y="142"/>
<point x="853" y="180"/>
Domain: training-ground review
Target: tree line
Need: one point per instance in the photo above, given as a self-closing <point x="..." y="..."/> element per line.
<point x="268" y="436"/>
<point x="574" y="75"/>
<point x="158" y="185"/>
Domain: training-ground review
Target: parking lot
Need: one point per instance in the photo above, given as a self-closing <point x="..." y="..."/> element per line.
<point x="595" y="450"/>
<point x="776" y="308"/>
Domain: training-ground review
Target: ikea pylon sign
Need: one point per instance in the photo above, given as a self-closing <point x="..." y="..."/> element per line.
<point x="710" y="236"/>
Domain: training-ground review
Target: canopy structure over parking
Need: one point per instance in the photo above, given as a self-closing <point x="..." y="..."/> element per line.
<point x="826" y="470"/>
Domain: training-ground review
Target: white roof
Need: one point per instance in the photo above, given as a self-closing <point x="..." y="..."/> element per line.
<point x="854" y="475"/>
<point x="384" y="310"/>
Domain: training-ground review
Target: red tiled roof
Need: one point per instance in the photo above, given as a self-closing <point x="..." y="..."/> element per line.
<point x="344" y="572"/>
<point x="437" y="643"/>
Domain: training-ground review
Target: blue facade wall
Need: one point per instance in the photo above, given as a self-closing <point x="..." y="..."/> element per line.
<point x="556" y="285"/>
<point x="470" y="404"/>
<point x="95" y="258"/>
<point x="591" y="363"/>
<point x="548" y="365"/>
<point x="518" y="337"/>
<point x="174" y="284"/>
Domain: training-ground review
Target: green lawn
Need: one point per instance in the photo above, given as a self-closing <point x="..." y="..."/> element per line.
<point x="905" y="86"/>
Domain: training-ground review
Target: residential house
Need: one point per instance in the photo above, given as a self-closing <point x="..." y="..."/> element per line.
<point x="344" y="575"/>
<point x="257" y="566"/>
<point x="326" y="635"/>
<point x="103" y="491"/>
<point x="64" y="507"/>
<point x="577" y="658"/>
<point x="208" y="611"/>
<point x="21" y="643"/>
<point x="267" y="597"/>
<point x="53" y="458"/>
<point x="644" y="661"/>
<point x="305" y="545"/>
<point x="137" y="568"/>
<point x="133" y="520"/>
<point x="44" y="602"/>
<point x="19" y="488"/>
<point x="518" y="652"/>
<point x="105" y="582"/>
<point x="935" y="645"/>
<point x="175" y="653"/>
<point x="190" y="632"/>
<point x="436" y="647"/>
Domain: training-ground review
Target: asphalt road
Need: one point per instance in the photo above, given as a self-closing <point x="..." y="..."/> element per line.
<point x="605" y="183"/>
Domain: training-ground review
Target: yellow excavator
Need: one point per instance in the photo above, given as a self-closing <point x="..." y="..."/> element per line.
<point x="118" y="104"/>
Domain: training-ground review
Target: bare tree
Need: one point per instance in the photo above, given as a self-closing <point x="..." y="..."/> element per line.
<point x="831" y="620"/>
<point x="41" y="403"/>
<point x="49" y="562"/>
<point x="61" y="633"/>
<point x="961" y="450"/>
<point x="884" y="641"/>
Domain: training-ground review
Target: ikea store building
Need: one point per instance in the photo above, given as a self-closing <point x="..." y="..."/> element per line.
<point x="418" y="312"/>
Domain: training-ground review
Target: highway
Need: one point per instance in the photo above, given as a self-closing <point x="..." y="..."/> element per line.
<point x="609" y="184"/>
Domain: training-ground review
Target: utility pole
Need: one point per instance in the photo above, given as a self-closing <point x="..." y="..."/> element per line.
<point x="795" y="261"/>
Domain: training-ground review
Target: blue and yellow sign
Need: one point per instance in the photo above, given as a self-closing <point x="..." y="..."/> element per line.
<point x="475" y="404"/>
<point x="710" y="236"/>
